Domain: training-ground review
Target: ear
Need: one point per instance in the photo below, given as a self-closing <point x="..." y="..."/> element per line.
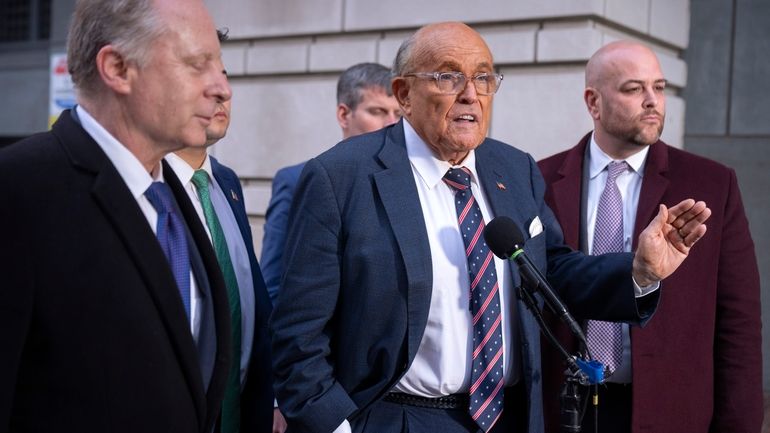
<point x="401" y="92"/>
<point x="592" y="99"/>
<point x="114" y="70"/>
<point x="343" y="115"/>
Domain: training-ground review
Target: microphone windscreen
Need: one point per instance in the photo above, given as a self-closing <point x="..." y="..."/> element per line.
<point x="503" y="236"/>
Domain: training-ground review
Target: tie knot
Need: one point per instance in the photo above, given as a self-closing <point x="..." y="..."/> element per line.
<point x="200" y="179"/>
<point x="160" y="196"/>
<point x="458" y="178"/>
<point x="615" y="169"/>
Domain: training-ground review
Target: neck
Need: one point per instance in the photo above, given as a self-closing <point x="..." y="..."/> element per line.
<point x="119" y="124"/>
<point x="614" y="148"/>
<point x="193" y="156"/>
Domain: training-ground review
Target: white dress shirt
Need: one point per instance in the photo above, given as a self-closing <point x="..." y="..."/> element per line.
<point x="138" y="180"/>
<point x="630" y="185"/>
<point x="235" y="246"/>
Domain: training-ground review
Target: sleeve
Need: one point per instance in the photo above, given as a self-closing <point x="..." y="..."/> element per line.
<point x="276" y="226"/>
<point x="738" y="334"/>
<point x="302" y="323"/>
<point x="593" y="287"/>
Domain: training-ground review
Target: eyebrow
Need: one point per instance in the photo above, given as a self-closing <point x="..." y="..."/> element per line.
<point x="658" y="81"/>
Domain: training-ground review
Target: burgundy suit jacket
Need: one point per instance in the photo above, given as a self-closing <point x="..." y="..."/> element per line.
<point x="697" y="366"/>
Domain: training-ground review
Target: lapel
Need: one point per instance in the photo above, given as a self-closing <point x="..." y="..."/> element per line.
<point x="503" y="191"/>
<point x="219" y="303"/>
<point x="567" y="192"/>
<point x="398" y="193"/>
<point x="121" y="210"/>
<point x="654" y="185"/>
<point x="234" y="199"/>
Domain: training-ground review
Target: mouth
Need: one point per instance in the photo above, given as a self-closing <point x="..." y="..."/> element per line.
<point x="206" y="120"/>
<point x="651" y="117"/>
<point x="465" y="118"/>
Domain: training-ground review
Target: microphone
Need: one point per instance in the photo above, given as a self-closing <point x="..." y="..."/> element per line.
<point x="506" y="241"/>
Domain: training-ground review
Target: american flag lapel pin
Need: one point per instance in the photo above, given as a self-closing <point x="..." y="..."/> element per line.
<point x="500" y="186"/>
<point x="234" y="195"/>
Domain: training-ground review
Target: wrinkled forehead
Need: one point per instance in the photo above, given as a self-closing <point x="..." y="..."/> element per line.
<point x="455" y="46"/>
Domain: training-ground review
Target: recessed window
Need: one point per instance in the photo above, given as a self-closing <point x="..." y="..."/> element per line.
<point x="25" y="20"/>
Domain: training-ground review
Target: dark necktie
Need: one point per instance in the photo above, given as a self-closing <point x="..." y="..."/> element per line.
<point x="486" y="391"/>
<point x="605" y="339"/>
<point x="231" y="414"/>
<point x="170" y="231"/>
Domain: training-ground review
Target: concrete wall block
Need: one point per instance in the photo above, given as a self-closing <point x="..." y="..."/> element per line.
<point x="511" y="44"/>
<point x="572" y="41"/>
<point x="253" y="19"/>
<point x="369" y="14"/>
<point x="278" y="122"/>
<point x="674" y="68"/>
<point x="387" y="47"/>
<point x="673" y="131"/>
<point x="708" y="87"/>
<point x="234" y="57"/>
<point x="670" y="21"/>
<point x="541" y="110"/>
<point x="629" y="13"/>
<point x="751" y="69"/>
<point x="276" y="56"/>
<point x="339" y="53"/>
<point x="257" y="197"/>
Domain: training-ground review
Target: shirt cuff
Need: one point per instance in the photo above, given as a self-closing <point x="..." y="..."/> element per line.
<point x="640" y="291"/>
<point x="343" y="428"/>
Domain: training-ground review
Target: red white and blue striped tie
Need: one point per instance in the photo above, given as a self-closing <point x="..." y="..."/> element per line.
<point x="486" y="391"/>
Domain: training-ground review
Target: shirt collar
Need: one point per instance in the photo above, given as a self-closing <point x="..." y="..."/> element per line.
<point x="184" y="171"/>
<point x="429" y="168"/>
<point x="598" y="160"/>
<point x="128" y="166"/>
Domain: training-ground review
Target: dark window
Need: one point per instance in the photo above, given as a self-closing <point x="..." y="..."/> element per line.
<point x="25" y="20"/>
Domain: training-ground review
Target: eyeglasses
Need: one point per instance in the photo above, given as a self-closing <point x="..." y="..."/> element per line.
<point x="452" y="83"/>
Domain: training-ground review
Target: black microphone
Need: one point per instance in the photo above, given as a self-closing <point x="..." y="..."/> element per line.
<point x="506" y="241"/>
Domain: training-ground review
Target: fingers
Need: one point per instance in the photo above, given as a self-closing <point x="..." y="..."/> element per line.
<point x="688" y="215"/>
<point x="675" y="211"/>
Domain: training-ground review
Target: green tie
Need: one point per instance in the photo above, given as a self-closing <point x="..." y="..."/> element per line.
<point x="231" y="411"/>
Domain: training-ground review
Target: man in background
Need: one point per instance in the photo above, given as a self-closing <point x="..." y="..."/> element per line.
<point x="217" y="197"/>
<point x="365" y="103"/>
<point x="113" y="310"/>
<point x="697" y="366"/>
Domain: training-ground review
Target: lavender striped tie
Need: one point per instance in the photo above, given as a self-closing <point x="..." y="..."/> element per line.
<point x="486" y="391"/>
<point x="605" y="339"/>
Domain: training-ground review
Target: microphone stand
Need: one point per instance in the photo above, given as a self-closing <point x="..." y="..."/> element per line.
<point x="579" y="372"/>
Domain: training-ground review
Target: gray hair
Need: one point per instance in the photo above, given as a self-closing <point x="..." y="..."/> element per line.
<point x="359" y="77"/>
<point x="129" y="25"/>
<point x="404" y="56"/>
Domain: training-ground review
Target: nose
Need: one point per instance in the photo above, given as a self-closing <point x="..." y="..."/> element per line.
<point x="650" y="99"/>
<point x="392" y="117"/>
<point x="468" y="95"/>
<point x="219" y="87"/>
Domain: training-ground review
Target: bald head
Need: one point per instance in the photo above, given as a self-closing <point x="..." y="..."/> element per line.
<point x="423" y="45"/>
<point x="625" y="96"/>
<point x="605" y="63"/>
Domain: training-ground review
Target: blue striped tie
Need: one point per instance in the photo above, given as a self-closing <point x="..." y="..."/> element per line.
<point x="486" y="391"/>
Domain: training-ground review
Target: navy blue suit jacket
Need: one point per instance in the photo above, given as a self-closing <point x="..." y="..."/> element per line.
<point x="276" y="226"/>
<point x="356" y="293"/>
<point x="257" y="396"/>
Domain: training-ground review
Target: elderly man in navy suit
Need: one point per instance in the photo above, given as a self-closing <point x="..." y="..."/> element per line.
<point x="393" y="314"/>
<point x="113" y="311"/>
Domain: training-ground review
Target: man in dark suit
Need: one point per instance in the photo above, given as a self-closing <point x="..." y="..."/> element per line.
<point x="697" y="366"/>
<point x="217" y="196"/>
<point x="391" y="320"/>
<point x="113" y="312"/>
<point x="365" y="103"/>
